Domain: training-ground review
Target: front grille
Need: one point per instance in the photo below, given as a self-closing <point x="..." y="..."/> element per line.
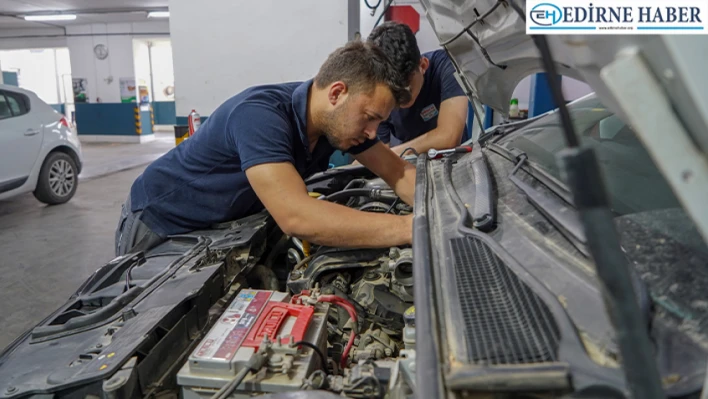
<point x="505" y="322"/>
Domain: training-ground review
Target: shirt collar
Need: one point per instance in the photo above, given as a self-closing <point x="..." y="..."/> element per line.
<point x="299" y="101"/>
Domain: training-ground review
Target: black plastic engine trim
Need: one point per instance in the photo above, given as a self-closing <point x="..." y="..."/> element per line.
<point x="158" y="326"/>
<point x="427" y="372"/>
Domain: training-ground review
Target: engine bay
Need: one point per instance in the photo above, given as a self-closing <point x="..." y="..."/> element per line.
<point x="236" y="310"/>
<point x="312" y="317"/>
<point x="243" y="310"/>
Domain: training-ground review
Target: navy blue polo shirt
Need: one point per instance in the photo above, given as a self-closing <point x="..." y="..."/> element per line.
<point x="439" y="84"/>
<point x="202" y="181"/>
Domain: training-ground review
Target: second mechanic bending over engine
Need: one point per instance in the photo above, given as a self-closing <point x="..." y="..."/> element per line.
<point x="435" y="116"/>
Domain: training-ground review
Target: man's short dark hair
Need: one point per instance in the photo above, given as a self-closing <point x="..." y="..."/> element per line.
<point x="398" y="42"/>
<point x="361" y="66"/>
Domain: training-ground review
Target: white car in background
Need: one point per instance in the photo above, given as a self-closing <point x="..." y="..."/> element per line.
<point x="39" y="152"/>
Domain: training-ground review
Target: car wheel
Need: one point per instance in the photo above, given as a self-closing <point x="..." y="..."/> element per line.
<point x="58" y="179"/>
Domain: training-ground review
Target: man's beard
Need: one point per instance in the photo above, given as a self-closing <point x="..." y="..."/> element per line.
<point x="334" y="126"/>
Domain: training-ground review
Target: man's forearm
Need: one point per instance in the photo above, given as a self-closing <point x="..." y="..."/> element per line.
<point x="433" y="139"/>
<point x="405" y="187"/>
<point x="335" y="225"/>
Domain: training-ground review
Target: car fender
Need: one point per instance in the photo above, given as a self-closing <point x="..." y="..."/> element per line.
<point x="55" y="140"/>
<point x="56" y="137"/>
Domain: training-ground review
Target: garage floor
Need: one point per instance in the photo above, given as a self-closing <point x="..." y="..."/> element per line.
<point x="47" y="252"/>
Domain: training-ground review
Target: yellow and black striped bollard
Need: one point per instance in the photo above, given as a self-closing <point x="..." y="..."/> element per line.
<point x="152" y="119"/>
<point x="138" y="126"/>
<point x="181" y="133"/>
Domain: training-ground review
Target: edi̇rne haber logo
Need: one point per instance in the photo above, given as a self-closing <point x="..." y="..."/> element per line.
<point x="611" y="17"/>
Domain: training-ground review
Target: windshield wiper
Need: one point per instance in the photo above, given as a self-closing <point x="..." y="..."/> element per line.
<point x="548" y="180"/>
<point x="564" y="218"/>
<point x="482" y="213"/>
<point x="497" y="132"/>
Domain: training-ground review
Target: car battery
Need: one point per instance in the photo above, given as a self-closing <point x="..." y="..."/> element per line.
<point x="237" y="335"/>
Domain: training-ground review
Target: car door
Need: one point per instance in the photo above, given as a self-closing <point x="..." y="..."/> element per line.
<point x="20" y="139"/>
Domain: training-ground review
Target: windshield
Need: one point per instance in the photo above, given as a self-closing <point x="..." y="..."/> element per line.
<point x="656" y="233"/>
<point x="633" y="181"/>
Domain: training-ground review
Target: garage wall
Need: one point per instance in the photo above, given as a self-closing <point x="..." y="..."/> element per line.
<point x="39" y="70"/>
<point x="104" y="117"/>
<point x="572" y="90"/>
<point x="20" y="39"/>
<point x="103" y="75"/>
<point x="226" y="46"/>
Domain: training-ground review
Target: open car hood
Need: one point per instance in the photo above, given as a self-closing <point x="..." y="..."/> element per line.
<point x="655" y="83"/>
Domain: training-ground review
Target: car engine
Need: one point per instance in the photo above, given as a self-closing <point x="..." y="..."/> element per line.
<point x="312" y="317"/>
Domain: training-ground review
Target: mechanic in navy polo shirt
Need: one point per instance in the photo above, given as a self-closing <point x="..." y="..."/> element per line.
<point x="257" y="147"/>
<point x="436" y="115"/>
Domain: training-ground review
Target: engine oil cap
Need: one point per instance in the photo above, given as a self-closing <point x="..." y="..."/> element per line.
<point x="409" y="317"/>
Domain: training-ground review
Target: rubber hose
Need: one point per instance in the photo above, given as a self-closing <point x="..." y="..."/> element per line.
<point x="279" y="248"/>
<point x="375" y="193"/>
<point x="266" y="276"/>
<point x="353" y="182"/>
<point x="231" y="386"/>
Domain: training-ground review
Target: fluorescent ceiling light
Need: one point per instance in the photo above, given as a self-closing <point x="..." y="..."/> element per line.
<point x="55" y="17"/>
<point x="159" y="14"/>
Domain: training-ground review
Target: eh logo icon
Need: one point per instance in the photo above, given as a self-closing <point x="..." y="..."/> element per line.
<point x="546" y="14"/>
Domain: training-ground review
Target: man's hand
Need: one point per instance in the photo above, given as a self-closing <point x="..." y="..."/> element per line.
<point x="284" y="194"/>
<point x="397" y="173"/>
<point x="448" y="133"/>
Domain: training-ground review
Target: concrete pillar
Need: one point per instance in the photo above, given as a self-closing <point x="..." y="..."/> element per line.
<point x="141" y="62"/>
<point x="103" y="59"/>
<point x="162" y="78"/>
<point x="227" y="46"/>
